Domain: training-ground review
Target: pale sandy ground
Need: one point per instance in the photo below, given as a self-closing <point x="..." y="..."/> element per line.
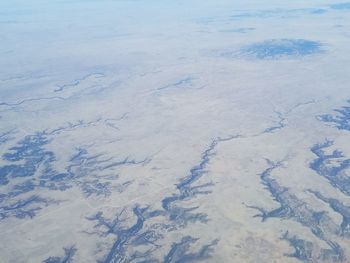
<point x="148" y="82"/>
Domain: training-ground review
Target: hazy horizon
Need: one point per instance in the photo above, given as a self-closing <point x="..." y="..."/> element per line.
<point x="174" y="131"/>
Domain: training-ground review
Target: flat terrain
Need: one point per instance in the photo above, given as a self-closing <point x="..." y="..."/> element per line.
<point x="174" y="131"/>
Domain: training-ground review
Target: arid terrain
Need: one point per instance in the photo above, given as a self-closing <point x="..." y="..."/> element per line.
<point x="174" y="131"/>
